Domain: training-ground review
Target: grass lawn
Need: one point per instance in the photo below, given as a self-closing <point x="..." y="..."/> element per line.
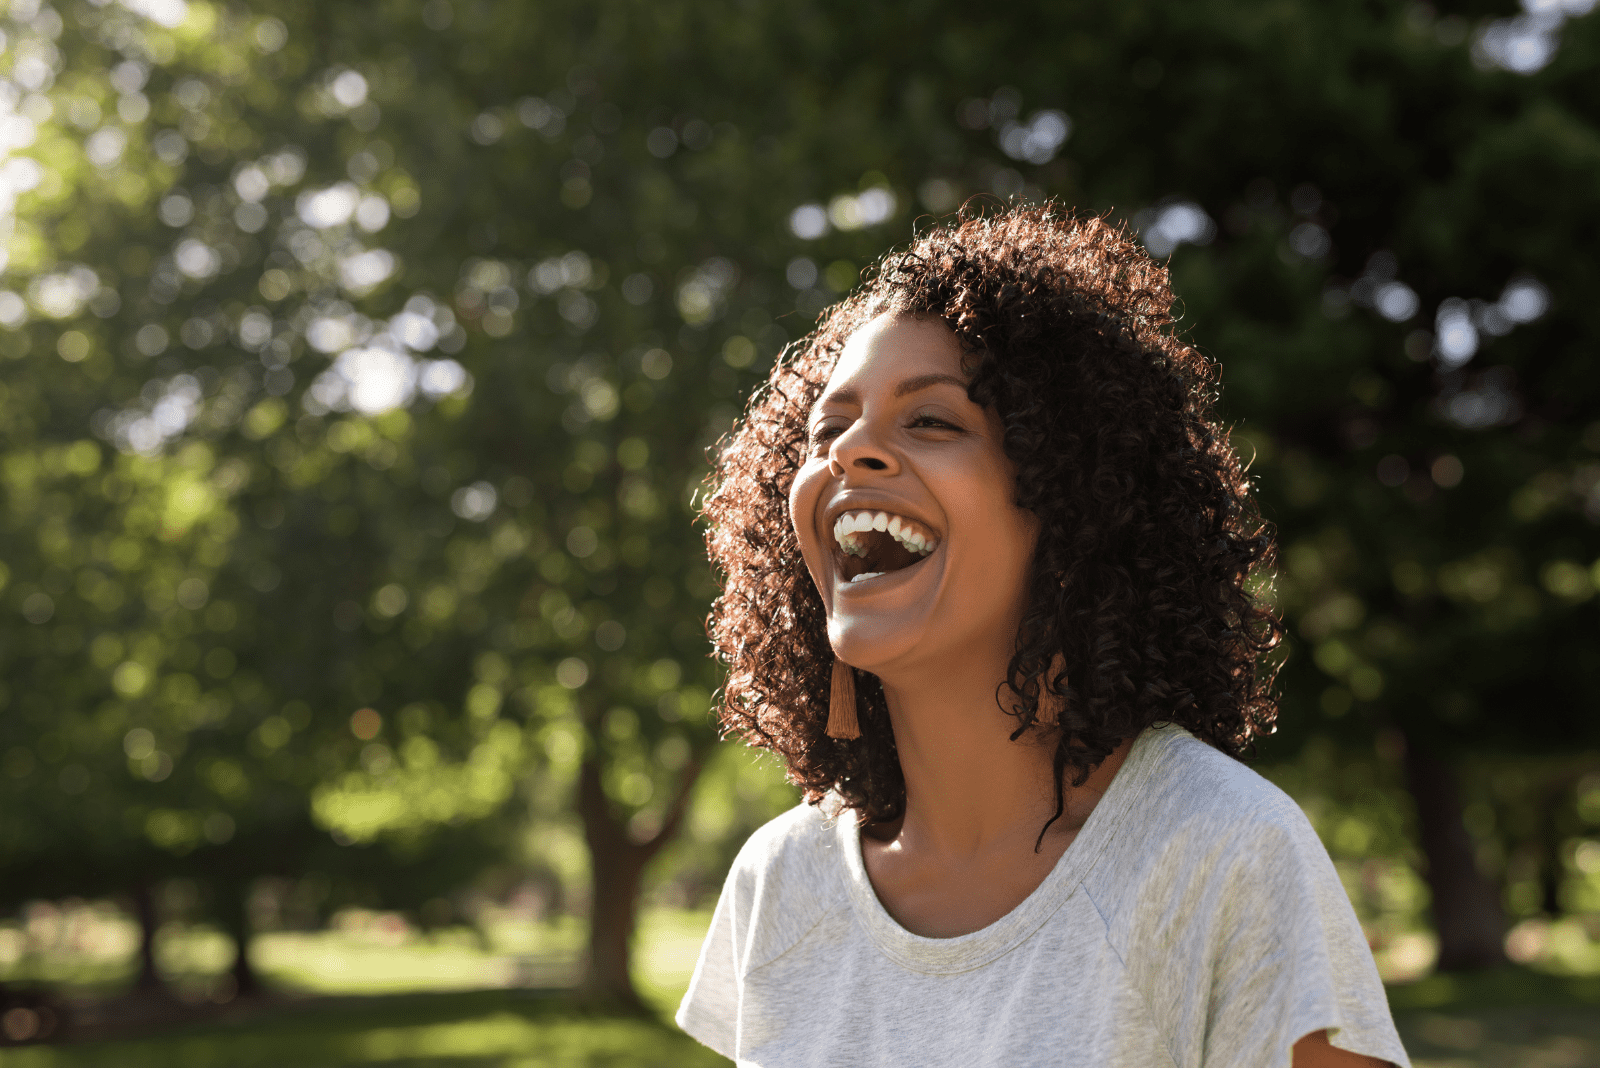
<point x="500" y="1028"/>
<point x="351" y="998"/>
<point x="1511" y="1018"/>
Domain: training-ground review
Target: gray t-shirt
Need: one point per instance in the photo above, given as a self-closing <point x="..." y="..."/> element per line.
<point x="1195" y="921"/>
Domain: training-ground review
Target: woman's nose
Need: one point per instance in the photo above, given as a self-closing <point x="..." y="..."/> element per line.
<point x="858" y="450"/>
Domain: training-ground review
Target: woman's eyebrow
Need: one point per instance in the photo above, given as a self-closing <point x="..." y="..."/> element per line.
<point x="846" y="395"/>
<point x="911" y="385"/>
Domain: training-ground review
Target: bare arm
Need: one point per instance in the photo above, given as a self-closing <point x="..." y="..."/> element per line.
<point x="1314" y="1051"/>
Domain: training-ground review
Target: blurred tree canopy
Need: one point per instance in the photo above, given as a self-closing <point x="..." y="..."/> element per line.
<point x="359" y="364"/>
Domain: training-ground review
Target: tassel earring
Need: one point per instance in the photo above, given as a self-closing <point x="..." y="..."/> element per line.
<point x="842" y="703"/>
<point x="1050" y="704"/>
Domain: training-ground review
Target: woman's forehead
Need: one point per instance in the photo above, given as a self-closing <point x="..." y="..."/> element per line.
<point x="892" y="349"/>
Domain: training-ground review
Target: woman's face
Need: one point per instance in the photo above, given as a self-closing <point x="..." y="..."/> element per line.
<point x="894" y="439"/>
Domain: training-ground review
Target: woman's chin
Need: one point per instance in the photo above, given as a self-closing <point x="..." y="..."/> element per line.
<point x="879" y="619"/>
<point x="916" y="641"/>
<point x="872" y="645"/>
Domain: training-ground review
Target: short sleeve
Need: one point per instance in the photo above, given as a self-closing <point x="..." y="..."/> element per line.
<point x="710" y="1009"/>
<point x="1288" y="956"/>
<point x="1229" y="918"/>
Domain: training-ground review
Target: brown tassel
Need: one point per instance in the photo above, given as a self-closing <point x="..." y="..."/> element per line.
<point x="842" y="703"/>
<point x="1050" y="705"/>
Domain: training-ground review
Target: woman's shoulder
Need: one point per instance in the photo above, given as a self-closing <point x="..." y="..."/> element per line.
<point x="1193" y="813"/>
<point x="803" y="838"/>
<point x="787" y="877"/>
<point x="1197" y="819"/>
<point x="1189" y="784"/>
<point x="1228" y="915"/>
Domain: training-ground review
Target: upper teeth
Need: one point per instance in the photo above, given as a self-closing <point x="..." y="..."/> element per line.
<point x="914" y="537"/>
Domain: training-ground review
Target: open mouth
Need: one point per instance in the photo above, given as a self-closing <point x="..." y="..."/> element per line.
<point x="870" y="544"/>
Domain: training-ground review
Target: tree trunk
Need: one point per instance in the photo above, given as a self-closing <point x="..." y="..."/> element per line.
<point x="618" y="864"/>
<point x="144" y="909"/>
<point x="1467" y="911"/>
<point x="1551" y="870"/>
<point x="1557" y="822"/>
<point x="233" y="908"/>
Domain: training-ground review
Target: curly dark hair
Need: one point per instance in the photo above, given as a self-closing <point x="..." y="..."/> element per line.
<point x="1149" y="538"/>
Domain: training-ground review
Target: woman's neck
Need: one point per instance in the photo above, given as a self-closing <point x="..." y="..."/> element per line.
<point x="970" y="790"/>
<point x="964" y="853"/>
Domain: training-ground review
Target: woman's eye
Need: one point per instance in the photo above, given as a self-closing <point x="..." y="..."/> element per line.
<point x="824" y="433"/>
<point x="934" y="422"/>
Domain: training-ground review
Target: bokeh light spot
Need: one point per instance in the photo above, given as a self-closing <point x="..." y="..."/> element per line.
<point x="365" y="723"/>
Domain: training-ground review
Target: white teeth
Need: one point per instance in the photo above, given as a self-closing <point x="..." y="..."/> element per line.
<point x="866" y="575"/>
<point x="899" y="528"/>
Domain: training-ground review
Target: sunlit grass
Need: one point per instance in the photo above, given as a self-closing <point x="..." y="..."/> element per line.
<point x="419" y="998"/>
<point x="501" y="1028"/>
<point x="91" y="950"/>
<point x="668" y="945"/>
<point x="373" y="958"/>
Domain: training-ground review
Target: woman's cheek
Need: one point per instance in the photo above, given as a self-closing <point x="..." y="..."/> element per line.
<point x="803" y="503"/>
<point x="803" y="500"/>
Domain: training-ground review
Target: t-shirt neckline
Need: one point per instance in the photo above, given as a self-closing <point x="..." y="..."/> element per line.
<point x="949" y="956"/>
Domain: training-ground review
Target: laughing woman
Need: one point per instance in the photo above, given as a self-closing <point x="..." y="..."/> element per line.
<point x="988" y="568"/>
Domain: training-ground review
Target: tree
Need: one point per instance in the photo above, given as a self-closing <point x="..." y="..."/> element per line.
<point x="366" y="360"/>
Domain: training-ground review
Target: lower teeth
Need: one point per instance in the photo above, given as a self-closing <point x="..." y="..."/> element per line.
<point x="867" y="575"/>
